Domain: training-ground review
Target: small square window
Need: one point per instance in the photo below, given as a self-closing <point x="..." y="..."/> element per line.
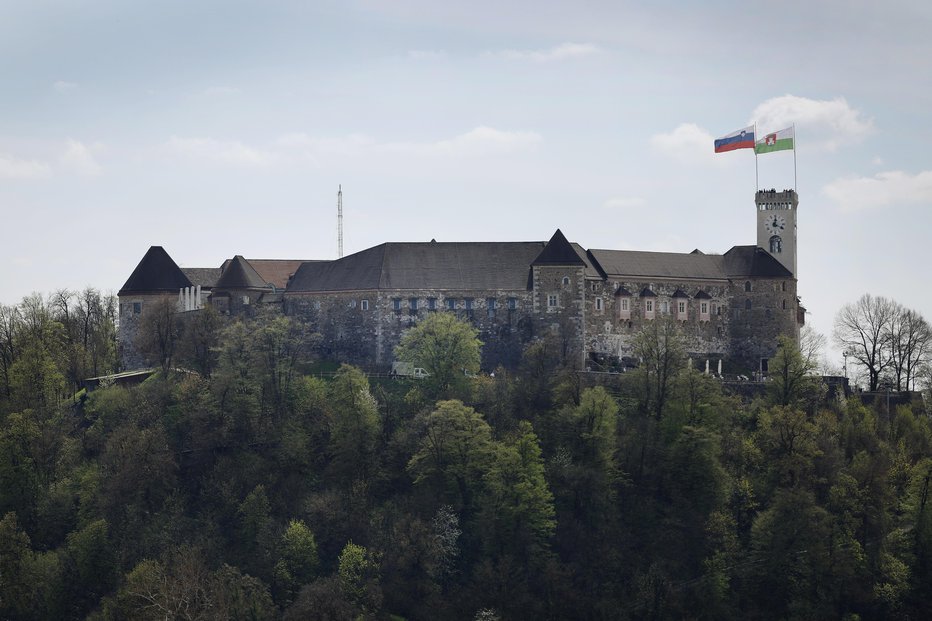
<point x="396" y="304"/>
<point x="364" y="305"/>
<point x="412" y="304"/>
<point x="451" y="303"/>
<point x="598" y="304"/>
<point x="624" y="304"/>
<point x="137" y="308"/>
<point x="512" y="303"/>
<point x="552" y="301"/>
<point x="431" y="303"/>
<point x="649" y="306"/>
<point x="566" y="281"/>
<point x="681" y="307"/>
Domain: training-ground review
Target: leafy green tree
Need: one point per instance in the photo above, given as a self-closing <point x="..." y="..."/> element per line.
<point x="517" y="506"/>
<point x="19" y="476"/>
<point x="15" y="581"/>
<point x="297" y="563"/>
<point x="358" y="570"/>
<point x="355" y="425"/>
<point x="792" y="380"/>
<point x="446" y="347"/>
<point x="255" y="538"/>
<point x="454" y="453"/>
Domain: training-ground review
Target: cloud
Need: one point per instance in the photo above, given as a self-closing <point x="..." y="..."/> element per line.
<point x="687" y="143"/>
<point x="80" y="158"/>
<point x="63" y="86"/>
<point x="230" y="152"/>
<point x="827" y="124"/>
<point x="563" y="51"/>
<point x="12" y="167"/>
<point x="624" y="202"/>
<point x="882" y="190"/>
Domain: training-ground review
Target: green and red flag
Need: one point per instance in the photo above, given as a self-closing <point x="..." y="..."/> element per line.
<point x="782" y="140"/>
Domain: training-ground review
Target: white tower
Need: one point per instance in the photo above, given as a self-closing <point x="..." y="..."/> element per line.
<point x="776" y="225"/>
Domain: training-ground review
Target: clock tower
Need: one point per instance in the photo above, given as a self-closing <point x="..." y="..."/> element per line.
<point x="776" y="225"/>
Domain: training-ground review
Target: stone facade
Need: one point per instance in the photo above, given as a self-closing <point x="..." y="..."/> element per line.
<point x="592" y="303"/>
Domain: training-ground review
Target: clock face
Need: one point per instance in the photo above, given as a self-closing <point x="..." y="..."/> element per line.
<point x="775" y="224"/>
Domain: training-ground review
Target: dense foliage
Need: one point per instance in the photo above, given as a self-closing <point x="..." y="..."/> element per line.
<point x="253" y="488"/>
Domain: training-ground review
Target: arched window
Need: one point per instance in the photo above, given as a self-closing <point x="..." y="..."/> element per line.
<point x="747" y="285"/>
<point x="776" y="244"/>
<point x="566" y="281"/>
<point x="747" y="305"/>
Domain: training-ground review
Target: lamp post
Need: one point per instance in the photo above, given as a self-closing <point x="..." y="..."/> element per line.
<point x="844" y="355"/>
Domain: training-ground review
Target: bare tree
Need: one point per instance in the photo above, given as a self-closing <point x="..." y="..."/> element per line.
<point x="812" y="348"/>
<point x="862" y="330"/>
<point x="909" y="340"/>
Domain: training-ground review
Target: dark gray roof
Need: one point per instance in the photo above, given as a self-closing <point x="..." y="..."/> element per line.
<point x="424" y="265"/>
<point x="239" y="274"/>
<point x="559" y="251"/>
<point x="620" y="291"/>
<point x="156" y="272"/>
<point x="679" y="293"/>
<point x="753" y="261"/>
<point x="203" y="276"/>
<point x="702" y="295"/>
<point x="740" y="261"/>
<point x="640" y="264"/>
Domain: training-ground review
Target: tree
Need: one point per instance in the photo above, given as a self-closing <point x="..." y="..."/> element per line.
<point x="660" y="349"/>
<point x="160" y="329"/>
<point x="446" y="347"/>
<point x="862" y="329"/>
<point x="297" y="561"/>
<point x="909" y="339"/>
<point x="791" y="377"/>
<point x="454" y="452"/>
<point x="354" y="425"/>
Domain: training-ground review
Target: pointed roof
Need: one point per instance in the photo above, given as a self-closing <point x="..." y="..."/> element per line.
<point x="622" y="290"/>
<point x="647" y="293"/>
<point x="679" y="293"/>
<point x="156" y="272"/>
<point x="240" y="274"/>
<point x="753" y="261"/>
<point x="558" y="251"/>
<point x="702" y="295"/>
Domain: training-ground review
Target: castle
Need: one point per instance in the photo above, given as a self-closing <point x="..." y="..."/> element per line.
<point x="731" y="307"/>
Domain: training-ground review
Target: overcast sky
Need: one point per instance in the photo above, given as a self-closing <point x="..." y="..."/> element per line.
<point x="220" y="128"/>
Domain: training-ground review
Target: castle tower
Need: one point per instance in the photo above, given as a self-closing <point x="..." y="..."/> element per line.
<point x="776" y="225"/>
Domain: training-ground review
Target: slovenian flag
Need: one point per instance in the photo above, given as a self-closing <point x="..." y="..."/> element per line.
<point x="782" y="140"/>
<point x="741" y="139"/>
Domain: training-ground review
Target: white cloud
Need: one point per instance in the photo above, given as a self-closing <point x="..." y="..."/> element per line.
<point x="882" y="190"/>
<point x="479" y="140"/>
<point x="687" y="143"/>
<point x="826" y="124"/>
<point x="624" y="202"/>
<point x="12" y="167"/>
<point x="80" y="158"/>
<point x="221" y="151"/>
<point x="563" y="51"/>
<point x="63" y="86"/>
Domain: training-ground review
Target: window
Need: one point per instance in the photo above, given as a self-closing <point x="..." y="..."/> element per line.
<point x="412" y="304"/>
<point x="747" y="305"/>
<point x="245" y="299"/>
<point x="353" y="304"/>
<point x="512" y="303"/>
<point x="364" y="305"/>
<point x="598" y="304"/>
<point x="594" y="287"/>
<point x="784" y="304"/>
<point x="566" y="281"/>
<point x="703" y="311"/>
<point x="490" y="306"/>
<point x="747" y="285"/>
<point x="624" y="304"/>
<point x="137" y="308"/>
<point x="681" y="310"/>
<point x="451" y="303"/>
<point x="396" y="304"/>
<point x="783" y="286"/>
<point x="648" y="309"/>
<point x="776" y="245"/>
<point x="431" y="304"/>
<point x="552" y="300"/>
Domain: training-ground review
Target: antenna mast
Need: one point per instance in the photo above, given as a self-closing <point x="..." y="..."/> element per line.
<point x="340" y="222"/>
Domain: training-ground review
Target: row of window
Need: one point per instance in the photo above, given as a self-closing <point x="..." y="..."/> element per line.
<point x="491" y="304"/>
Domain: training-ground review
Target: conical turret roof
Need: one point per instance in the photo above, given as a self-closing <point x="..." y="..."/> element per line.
<point x="239" y="274"/>
<point x="156" y="272"/>
<point x="558" y="251"/>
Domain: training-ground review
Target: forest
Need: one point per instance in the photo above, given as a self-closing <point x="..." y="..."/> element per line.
<point x="249" y="478"/>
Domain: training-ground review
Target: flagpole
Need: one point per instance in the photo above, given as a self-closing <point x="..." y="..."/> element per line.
<point x="756" y="174"/>
<point x="795" y="184"/>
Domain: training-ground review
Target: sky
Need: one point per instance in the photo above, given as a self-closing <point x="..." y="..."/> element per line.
<point x="220" y="128"/>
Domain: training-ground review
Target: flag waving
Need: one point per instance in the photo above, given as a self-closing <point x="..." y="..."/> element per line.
<point x="782" y="140"/>
<point x="741" y="139"/>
